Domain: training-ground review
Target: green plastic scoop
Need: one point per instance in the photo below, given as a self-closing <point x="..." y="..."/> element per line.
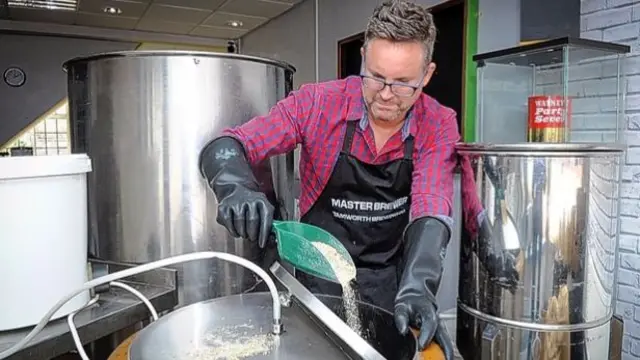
<point x="295" y="245"/>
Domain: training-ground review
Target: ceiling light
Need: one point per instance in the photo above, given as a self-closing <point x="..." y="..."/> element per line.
<point x="69" y="5"/>
<point x="112" y="10"/>
<point x="234" y="23"/>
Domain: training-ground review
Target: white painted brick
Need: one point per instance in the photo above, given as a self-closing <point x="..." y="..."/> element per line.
<point x="635" y="347"/>
<point x="622" y="32"/>
<point x="584" y="106"/>
<point x="586" y="71"/>
<point x="632" y="65"/>
<point x="635" y="13"/>
<point x="633" y="83"/>
<point x="631" y="278"/>
<point x="633" y="121"/>
<point x="632" y="329"/>
<point x="586" y="136"/>
<point x="630" y="207"/>
<point x="632" y="102"/>
<point x="633" y="157"/>
<point x="594" y="104"/>
<point x="629" y="242"/>
<point x="625" y="310"/>
<point x="615" y="3"/>
<point x="589" y="6"/>
<point x="612" y="65"/>
<point x="632" y="138"/>
<point x="626" y="345"/>
<point x="628" y="294"/>
<point x="629" y="225"/>
<point x="594" y="87"/>
<point x="631" y="173"/>
<point x="630" y="190"/>
<point x="607" y="18"/>
<point x="548" y="77"/>
<point x="594" y="122"/>
<point x="634" y="44"/>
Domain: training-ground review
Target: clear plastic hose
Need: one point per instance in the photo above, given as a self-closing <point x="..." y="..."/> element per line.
<point x="277" y="317"/>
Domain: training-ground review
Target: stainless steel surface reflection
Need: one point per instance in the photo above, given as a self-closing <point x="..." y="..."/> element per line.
<point x="557" y="209"/>
<point x="233" y="324"/>
<point x="143" y="118"/>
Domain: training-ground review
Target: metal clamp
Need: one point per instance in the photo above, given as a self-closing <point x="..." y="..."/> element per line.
<point x="615" y="338"/>
<point x="490" y="343"/>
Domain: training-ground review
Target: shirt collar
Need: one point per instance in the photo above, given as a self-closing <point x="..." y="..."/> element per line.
<point x="357" y="111"/>
<point x="406" y="127"/>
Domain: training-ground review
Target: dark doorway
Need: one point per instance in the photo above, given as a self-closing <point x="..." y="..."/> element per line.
<point x="448" y="55"/>
<point x="446" y="85"/>
<point x="349" y="57"/>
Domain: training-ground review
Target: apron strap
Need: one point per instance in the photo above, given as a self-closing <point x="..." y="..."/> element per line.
<point x="348" y="138"/>
<point x="408" y="148"/>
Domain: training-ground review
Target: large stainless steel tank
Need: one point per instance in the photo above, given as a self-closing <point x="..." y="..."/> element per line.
<point x="555" y="207"/>
<point x="143" y="118"/>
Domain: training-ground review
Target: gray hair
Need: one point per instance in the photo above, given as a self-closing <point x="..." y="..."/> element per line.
<point x="402" y="21"/>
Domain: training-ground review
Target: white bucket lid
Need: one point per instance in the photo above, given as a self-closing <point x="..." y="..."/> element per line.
<point x="18" y="167"/>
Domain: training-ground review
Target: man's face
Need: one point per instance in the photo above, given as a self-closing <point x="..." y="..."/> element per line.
<point x="394" y="63"/>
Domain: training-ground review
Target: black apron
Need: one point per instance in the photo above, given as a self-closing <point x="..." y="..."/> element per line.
<point x="367" y="208"/>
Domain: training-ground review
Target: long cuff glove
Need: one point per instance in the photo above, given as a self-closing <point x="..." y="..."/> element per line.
<point x="242" y="209"/>
<point x="425" y="243"/>
<point x="500" y="264"/>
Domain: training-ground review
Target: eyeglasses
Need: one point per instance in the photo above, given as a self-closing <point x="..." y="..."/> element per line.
<point x="377" y="84"/>
<point x="398" y="88"/>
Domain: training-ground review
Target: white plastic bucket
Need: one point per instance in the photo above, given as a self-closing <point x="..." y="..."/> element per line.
<point x="43" y="236"/>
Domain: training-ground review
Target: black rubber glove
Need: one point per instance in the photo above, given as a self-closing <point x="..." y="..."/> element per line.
<point x="499" y="263"/>
<point x="425" y="244"/>
<point x="242" y="208"/>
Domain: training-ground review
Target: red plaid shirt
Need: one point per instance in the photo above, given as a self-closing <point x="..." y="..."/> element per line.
<point x="315" y="116"/>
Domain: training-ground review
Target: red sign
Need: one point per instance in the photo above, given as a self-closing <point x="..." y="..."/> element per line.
<point x="548" y="111"/>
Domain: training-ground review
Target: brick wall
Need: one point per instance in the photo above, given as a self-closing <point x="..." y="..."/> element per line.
<point x="619" y="21"/>
<point x="503" y="89"/>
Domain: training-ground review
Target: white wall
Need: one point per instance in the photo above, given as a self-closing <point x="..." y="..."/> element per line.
<point x="291" y="38"/>
<point x="496" y="35"/>
<point x="41" y="57"/>
<point x="619" y="21"/>
<point x="339" y="19"/>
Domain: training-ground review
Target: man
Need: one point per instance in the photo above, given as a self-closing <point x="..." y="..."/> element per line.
<point x="376" y="168"/>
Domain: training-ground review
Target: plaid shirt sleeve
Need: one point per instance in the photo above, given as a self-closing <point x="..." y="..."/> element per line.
<point x="279" y="131"/>
<point x="434" y="166"/>
<point x="472" y="210"/>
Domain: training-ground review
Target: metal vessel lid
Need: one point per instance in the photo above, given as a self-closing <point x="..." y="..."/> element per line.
<point x="541" y="149"/>
<point x="242" y="322"/>
<point x="151" y="53"/>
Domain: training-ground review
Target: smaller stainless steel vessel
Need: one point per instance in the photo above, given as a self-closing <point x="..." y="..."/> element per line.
<point x="555" y="208"/>
<point x="222" y="324"/>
